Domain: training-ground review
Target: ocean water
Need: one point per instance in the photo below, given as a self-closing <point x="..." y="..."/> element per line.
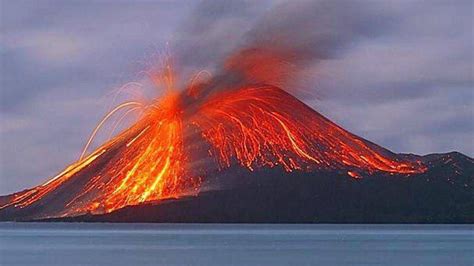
<point x="233" y="244"/>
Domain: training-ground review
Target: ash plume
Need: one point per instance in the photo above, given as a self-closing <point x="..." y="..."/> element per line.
<point x="281" y="45"/>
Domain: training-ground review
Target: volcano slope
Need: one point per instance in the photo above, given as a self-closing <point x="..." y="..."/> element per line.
<point x="252" y="154"/>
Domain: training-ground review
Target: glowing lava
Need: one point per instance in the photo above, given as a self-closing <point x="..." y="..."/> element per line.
<point x="264" y="126"/>
<point x="253" y="127"/>
<point x="149" y="165"/>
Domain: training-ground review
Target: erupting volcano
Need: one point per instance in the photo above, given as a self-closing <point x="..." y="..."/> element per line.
<point x="252" y="127"/>
<point x="236" y="128"/>
<point x="238" y="146"/>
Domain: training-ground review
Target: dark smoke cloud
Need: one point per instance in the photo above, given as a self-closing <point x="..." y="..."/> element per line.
<point x="316" y="30"/>
<point x="211" y="31"/>
<point x="243" y="44"/>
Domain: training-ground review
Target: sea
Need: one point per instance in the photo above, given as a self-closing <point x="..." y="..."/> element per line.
<point x="234" y="244"/>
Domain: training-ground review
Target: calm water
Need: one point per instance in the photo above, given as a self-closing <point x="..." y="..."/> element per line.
<point x="196" y="244"/>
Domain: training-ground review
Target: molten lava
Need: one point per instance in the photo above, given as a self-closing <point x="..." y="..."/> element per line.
<point x="264" y="126"/>
<point x="252" y="127"/>
<point x="148" y="165"/>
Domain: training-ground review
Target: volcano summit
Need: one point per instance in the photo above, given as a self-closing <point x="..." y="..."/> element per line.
<point x="248" y="154"/>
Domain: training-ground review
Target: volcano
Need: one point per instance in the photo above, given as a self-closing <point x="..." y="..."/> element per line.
<point x="248" y="154"/>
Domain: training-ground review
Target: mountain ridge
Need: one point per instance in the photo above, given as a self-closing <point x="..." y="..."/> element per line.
<point x="330" y="198"/>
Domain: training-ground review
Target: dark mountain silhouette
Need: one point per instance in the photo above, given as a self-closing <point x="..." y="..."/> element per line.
<point x="443" y="194"/>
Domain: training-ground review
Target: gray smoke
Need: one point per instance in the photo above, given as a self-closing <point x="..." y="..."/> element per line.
<point x="300" y="33"/>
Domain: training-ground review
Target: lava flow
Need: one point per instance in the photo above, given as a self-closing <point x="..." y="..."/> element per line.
<point x="252" y="126"/>
<point x="265" y="126"/>
<point x="145" y="163"/>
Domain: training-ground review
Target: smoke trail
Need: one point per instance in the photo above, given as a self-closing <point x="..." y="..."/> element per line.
<point x="276" y="45"/>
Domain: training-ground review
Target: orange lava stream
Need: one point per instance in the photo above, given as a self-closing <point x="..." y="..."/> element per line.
<point x="150" y="166"/>
<point x="262" y="126"/>
<point x="24" y="199"/>
<point x="147" y="164"/>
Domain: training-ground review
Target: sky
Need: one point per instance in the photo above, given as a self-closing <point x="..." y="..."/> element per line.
<point x="398" y="73"/>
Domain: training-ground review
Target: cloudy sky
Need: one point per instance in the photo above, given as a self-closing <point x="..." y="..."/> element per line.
<point x="399" y="73"/>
